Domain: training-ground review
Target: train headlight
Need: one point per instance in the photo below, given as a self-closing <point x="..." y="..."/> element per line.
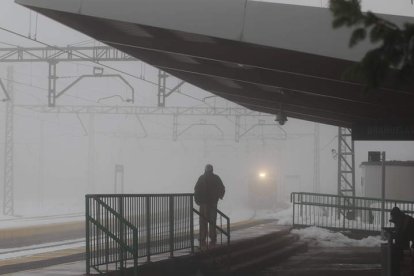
<point x="262" y="175"/>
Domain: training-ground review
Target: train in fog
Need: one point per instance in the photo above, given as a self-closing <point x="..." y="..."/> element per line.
<point x="262" y="190"/>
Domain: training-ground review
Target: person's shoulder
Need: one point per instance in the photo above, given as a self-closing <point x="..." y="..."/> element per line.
<point x="217" y="176"/>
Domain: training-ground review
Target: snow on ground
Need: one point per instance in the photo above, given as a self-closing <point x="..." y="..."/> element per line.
<point x="11" y="253"/>
<point x="320" y="237"/>
<point x="316" y="236"/>
<point x="20" y="222"/>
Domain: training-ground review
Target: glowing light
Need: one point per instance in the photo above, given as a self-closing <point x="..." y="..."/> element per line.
<point x="262" y="175"/>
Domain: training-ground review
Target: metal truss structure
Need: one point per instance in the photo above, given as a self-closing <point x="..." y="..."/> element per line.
<point x="3" y="88"/>
<point x="147" y="110"/>
<point x="54" y="55"/>
<point x="96" y="54"/>
<point x="175" y="112"/>
<point x="346" y="166"/>
<point x="63" y="54"/>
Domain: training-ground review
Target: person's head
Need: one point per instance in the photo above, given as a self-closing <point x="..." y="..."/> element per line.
<point x="208" y="168"/>
<point x="395" y="214"/>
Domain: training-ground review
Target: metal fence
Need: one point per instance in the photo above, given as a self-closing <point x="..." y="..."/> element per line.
<point x="343" y="212"/>
<point x="122" y="228"/>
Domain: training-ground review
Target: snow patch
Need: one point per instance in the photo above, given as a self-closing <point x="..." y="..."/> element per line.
<point x="19" y="252"/>
<point x="320" y="237"/>
<point x="8" y="222"/>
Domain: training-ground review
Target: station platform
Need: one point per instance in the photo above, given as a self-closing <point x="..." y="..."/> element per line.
<point x="259" y="248"/>
<point x="242" y="232"/>
<point x="316" y="261"/>
<point x="327" y="261"/>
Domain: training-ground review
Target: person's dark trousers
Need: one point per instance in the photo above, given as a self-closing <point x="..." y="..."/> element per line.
<point x="208" y="211"/>
<point x="397" y="255"/>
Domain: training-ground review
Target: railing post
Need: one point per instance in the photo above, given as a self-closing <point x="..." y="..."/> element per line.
<point x="293" y="200"/>
<point x="343" y="215"/>
<point x="191" y="224"/>
<point x="107" y="246"/>
<point x="98" y="233"/>
<point x="171" y="221"/>
<point x="135" y="248"/>
<point x="221" y="227"/>
<point x="88" y="249"/>
<point x="301" y="205"/>
<point x="121" y="233"/>
<point x="148" y="222"/>
<point x="228" y="232"/>
<point x="383" y="190"/>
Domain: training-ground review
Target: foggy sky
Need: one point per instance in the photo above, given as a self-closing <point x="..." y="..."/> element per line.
<point x="51" y="151"/>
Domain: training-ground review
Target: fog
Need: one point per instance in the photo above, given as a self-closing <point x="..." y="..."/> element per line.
<point x="58" y="158"/>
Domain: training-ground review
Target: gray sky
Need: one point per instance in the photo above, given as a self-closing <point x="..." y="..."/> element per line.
<point x="64" y="135"/>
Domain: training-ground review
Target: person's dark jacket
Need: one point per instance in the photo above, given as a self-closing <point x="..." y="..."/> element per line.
<point x="208" y="189"/>
<point x="404" y="226"/>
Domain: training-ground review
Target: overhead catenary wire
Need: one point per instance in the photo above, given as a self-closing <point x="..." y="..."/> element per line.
<point x="9" y="44"/>
<point x="81" y="55"/>
<point x="45" y="89"/>
<point x="308" y="75"/>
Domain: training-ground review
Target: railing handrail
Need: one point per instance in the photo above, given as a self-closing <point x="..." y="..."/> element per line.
<point x="138" y="195"/>
<point x="226" y="233"/>
<point x="115" y="238"/>
<point x="352" y="207"/>
<point x="344" y="212"/>
<point x="351" y="197"/>
<point x="116" y="214"/>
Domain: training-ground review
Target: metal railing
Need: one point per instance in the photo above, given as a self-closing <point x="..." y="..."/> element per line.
<point x="110" y="239"/>
<point x="124" y="228"/>
<point x="219" y="226"/>
<point x="336" y="213"/>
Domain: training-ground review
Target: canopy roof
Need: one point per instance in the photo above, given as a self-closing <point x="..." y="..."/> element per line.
<point x="264" y="56"/>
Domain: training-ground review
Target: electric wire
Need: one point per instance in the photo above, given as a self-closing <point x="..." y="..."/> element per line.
<point x="81" y="55"/>
<point x="8" y="44"/>
<point x="45" y="89"/>
<point x="308" y="75"/>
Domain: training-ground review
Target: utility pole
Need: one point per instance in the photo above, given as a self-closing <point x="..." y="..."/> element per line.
<point x="119" y="179"/>
<point x="91" y="154"/>
<point x="8" y="193"/>
<point x="162" y="85"/>
<point x="346" y="169"/>
<point x="41" y="175"/>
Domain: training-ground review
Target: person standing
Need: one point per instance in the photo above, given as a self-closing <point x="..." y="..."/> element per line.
<point x="207" y="191"/>
<point x="403" y="234"/>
